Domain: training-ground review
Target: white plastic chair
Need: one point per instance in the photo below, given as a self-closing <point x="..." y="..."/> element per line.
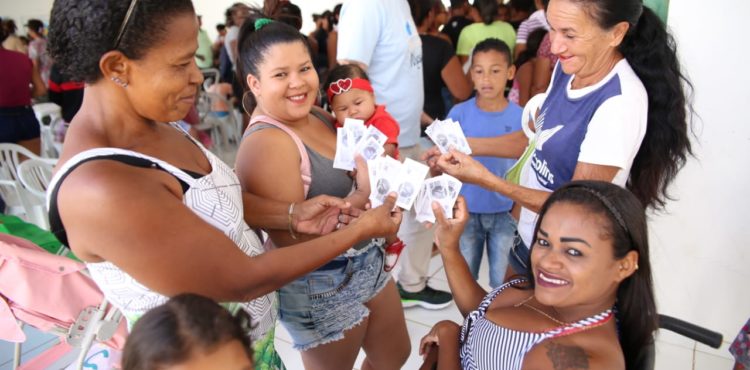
<point x="226" y="130"/>
<point x="210" y="76"/>
<point x="48" y="115"/>
<point x="35" y="175"/>
<point x="18" y="200"/>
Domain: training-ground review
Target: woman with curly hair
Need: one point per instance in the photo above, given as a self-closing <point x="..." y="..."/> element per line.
<point x="150" y="210"/>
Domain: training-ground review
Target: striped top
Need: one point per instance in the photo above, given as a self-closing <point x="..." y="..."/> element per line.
<point x="481" y="339"/>
<point x="536" y="20"/>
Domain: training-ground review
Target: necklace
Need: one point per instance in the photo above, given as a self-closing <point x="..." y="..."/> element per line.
<point x="526" y="304"/>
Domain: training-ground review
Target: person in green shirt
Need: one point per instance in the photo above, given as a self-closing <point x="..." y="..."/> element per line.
<point x="490" y="26"/>
<point x="204" y="56"/>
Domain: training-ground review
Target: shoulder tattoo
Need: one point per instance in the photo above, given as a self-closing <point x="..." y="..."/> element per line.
<point x="565" y="357"/>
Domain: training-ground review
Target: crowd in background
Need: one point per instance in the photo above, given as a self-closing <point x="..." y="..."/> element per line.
<point x="404" y="64"/>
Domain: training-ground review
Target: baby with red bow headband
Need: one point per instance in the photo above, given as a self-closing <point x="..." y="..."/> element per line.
<point x="350" y="95"/>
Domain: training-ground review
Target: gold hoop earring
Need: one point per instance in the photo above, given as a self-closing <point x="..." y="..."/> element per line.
<point x="244" y="101"/>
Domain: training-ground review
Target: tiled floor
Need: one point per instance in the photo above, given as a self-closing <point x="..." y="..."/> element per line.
<point x="672" y="350"/>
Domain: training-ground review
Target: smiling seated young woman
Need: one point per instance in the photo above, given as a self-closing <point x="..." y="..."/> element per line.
<point x="587" y="302"/>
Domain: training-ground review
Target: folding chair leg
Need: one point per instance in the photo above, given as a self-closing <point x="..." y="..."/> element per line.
<point x="92" y="328"/>
<point x="16" y="356"/>
<point x="17" y="350"/>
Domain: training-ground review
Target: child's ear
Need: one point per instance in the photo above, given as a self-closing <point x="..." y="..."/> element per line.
<point x="511" y="71"/>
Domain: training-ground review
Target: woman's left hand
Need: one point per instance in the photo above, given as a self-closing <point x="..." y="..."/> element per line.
<point x="449" y="231"/>
<point x="442" y="329"/>
<point x="462" y="167"/>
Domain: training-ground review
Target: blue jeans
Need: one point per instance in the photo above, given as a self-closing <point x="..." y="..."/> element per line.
<point x="495" y="230"/>
<point x="520" y="256"/>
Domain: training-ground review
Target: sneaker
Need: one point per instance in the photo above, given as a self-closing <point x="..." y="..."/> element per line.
<point x="428" y="298"/>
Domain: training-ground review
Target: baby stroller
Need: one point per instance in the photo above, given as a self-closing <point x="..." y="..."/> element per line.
<point x="53" y="294"/>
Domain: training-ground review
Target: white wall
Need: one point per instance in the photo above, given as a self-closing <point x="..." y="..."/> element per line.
<point x="22" y="11"/>
<point x="213" y="11"/>
<point x="701" y="248"/>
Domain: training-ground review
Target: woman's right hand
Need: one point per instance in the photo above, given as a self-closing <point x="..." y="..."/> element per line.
<point x="381" y="221"/>
<point x="462" y="167"/>
<point x="320" y="215"/>
<point x="430" y="156"/>
<point x="448" y="231"/>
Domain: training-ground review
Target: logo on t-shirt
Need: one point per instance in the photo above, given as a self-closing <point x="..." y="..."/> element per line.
<point x="543" y="174"/>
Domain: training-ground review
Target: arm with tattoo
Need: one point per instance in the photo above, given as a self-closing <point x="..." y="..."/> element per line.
<point x="565" y="357"/>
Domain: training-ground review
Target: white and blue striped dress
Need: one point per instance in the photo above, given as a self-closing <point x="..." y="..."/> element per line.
<point x="486" y="345"/>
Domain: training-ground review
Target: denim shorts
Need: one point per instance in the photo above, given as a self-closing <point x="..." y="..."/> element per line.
<point x="318" y="307"/>
<point x="519" y="257"/>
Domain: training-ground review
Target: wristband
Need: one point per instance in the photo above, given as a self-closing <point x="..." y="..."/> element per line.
<point x="289" y="219"/>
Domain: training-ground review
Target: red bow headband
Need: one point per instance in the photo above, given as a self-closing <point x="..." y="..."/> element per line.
<point x="345" y="84"/>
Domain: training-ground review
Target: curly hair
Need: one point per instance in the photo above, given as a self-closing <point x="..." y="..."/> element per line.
<point x="81" y="31"/>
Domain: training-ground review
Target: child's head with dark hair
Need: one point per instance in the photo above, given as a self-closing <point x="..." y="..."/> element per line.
<point x="192" y="332"/>
<point x="275" y="61"/>
<point x="350" y="94"/>
<point x="491" y="68"/>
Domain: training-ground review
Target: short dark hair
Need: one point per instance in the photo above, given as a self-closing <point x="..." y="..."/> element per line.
<point x="221" y="27"/>
<point x="169" y="334"/>
<point x="493" y="44"/>
<point x="81" y="31"/>
<point x="252" y="45"/>
<point x="420" y="9"/>
<point x="35" y="25"/>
